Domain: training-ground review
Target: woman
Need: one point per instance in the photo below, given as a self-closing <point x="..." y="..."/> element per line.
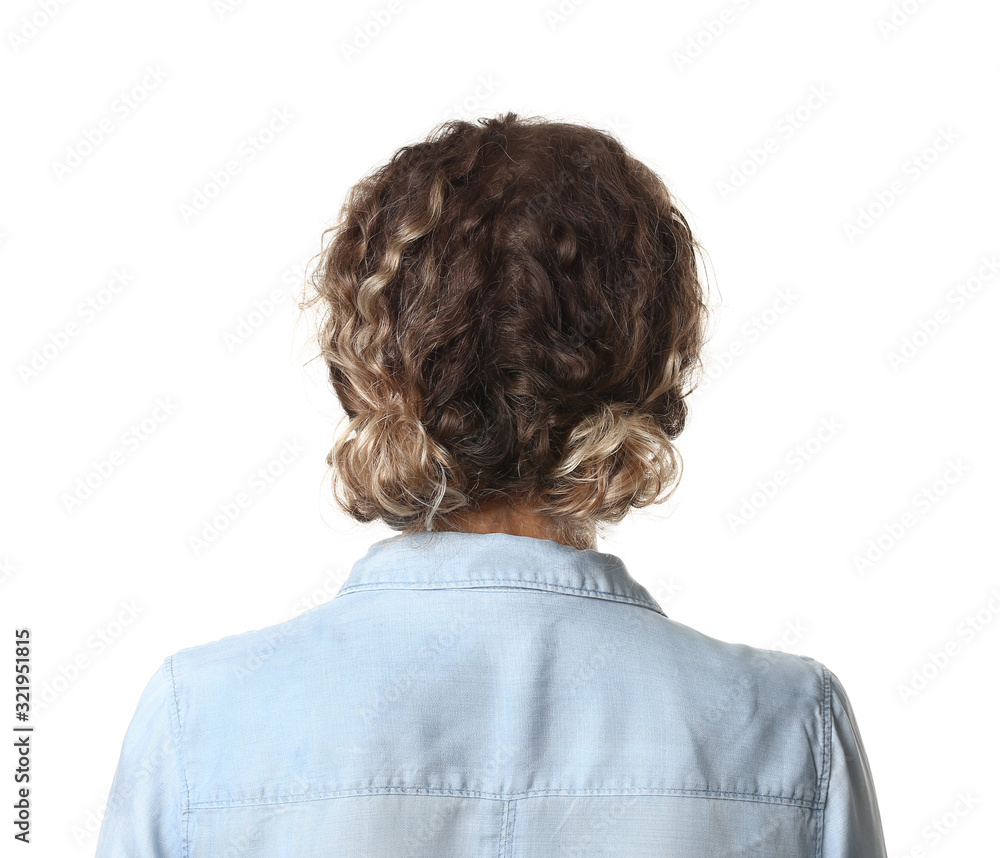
<point x="512" y="319"/>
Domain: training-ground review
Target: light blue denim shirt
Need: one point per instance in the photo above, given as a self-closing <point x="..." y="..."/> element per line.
<point x="490" y="695"/>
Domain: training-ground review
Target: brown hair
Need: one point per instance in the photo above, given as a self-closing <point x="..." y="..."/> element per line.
<point x="512" y="311"/>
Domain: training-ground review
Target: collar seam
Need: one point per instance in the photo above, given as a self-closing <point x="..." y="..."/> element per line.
<point x="501" y="584"/>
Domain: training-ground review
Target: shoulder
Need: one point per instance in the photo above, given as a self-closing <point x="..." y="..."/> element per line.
<point x="243" y="661"/>
<point x="738" y="709"/>
<point x="740" y="671"/>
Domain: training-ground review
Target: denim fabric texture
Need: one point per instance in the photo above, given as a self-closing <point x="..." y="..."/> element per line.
<point x="495" y="696"/>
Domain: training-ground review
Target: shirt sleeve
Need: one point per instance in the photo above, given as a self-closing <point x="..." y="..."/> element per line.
<point x="852" y="827"/>
<point x="143" y="817"/>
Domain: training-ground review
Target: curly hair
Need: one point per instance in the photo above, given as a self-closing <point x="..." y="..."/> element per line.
<point x="511" y="311"/>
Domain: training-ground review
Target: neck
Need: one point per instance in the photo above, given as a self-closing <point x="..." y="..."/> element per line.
<point x="503" y="518"/>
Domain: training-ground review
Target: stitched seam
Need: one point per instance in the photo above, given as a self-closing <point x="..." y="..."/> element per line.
<point x="824" y="783"/>
<point x="516" y="584"/>
<point x="175" y="719"/>
<point x="501" y="845"/>
<point x="510" y="828"/>
<point x="733" y="796"/>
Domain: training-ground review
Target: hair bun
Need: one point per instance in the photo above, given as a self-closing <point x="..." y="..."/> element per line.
<point x="614" y="459"/>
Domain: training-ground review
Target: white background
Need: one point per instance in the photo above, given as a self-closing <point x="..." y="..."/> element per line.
<point x="695" y="90"/>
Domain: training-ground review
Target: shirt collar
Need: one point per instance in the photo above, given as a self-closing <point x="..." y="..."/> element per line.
<point x="455" y="559"/>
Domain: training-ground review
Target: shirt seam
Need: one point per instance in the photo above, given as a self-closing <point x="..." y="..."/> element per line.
<point x="516" y="584"/>
<point x="508" y="797"/>
<point x="824" y="784"/>
<point x="509" y="834"/>
<point x="502" y="839"/>
<point x="175" y="726"/>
